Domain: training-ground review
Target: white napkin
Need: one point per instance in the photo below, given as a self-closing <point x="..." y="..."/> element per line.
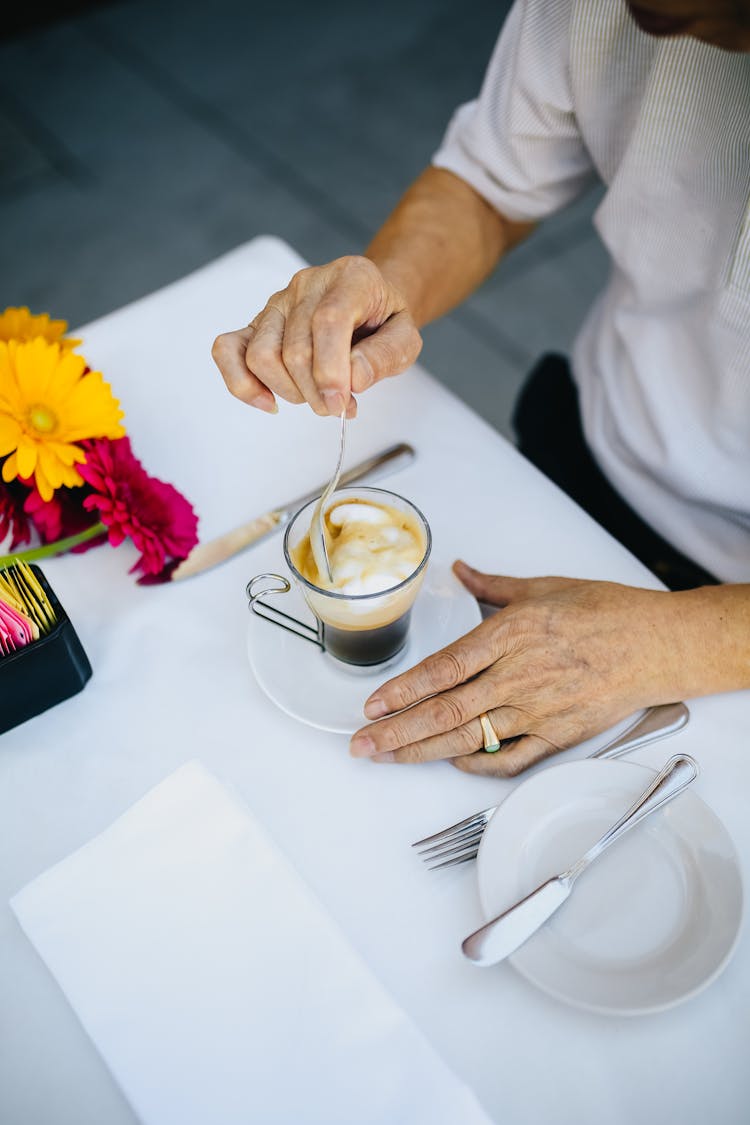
<point x="214" y="984"/>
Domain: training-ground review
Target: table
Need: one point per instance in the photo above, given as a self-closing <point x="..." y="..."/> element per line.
<point x="171" y="682"/>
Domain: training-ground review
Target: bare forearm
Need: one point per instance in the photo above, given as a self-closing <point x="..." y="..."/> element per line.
<point x="711" y="639"/>
<point x="440" y="243"/>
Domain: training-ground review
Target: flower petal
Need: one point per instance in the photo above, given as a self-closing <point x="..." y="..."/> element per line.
<point x="68" y="453"/>
<point x="27" y="456"/>
<point x="69" y="369"/>
<point x="22" y="324"/>
<point x="10" y="432"/>
<point x="70" y="477"/>
<point x="91" y="411"/>
<point x="10" y="468"/>
<point x="35" y="363"/>
<point x="11" y="400"/>
<point x="44" y="488"/>
<point x="52" y="467"/>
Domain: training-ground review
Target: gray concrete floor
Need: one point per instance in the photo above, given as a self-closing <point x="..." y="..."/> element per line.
<point x="139" y="140"/>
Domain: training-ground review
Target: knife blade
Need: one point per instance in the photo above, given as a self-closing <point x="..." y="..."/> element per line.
<point x="204" y="556"/>
<point x="503" y="935"/>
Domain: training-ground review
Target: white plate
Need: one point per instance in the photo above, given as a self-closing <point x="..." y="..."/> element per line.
<point x="652" y="922"/>
<point x="312" y="686"/>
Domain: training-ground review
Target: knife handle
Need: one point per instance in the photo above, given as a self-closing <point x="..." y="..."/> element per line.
<point x="205" y="555"/>
<point x="680" y="771"/>
<point x="391" y="460"/>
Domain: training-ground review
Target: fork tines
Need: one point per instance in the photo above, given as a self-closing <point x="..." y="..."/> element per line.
<point x="454" y="845"/>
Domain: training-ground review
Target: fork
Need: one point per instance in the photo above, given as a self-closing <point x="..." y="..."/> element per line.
<point x="459" y="843"/>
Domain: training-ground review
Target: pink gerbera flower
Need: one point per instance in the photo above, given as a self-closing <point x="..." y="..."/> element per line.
<point x="132" y="504"/>
<point x="60" y="517"/>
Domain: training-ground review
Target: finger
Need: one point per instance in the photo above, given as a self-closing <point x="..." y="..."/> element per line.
<point x="332" y="324"/>
<point x="297" y="355"/>
<point x="501" y="590"/>
<point x="443" y="670"/>
<point x="509" y="761"/>
<point x="462" y="740"/>
<point x="443" y="715"/>
<point x="388" y="351"/>
<point x="228" y="353"/>
<point x="263" y="356"/>
<point x="466" y="739"/>
<point x="496" y="589"/>
<point x="351" y="410"/>
<point x="352" y="308"/>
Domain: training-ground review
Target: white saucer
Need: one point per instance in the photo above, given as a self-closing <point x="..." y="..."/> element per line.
<point x="312" y="686"/>
<point x="652" y="922"/>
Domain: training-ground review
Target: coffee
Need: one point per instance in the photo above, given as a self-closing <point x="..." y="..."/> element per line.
<point x="378" y="545"/>
<point x="367" y="646"/>
<point x="371" y="548"/>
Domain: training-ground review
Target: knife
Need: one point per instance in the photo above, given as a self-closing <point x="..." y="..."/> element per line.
<point x="505" y="933"/>
<point x="204" y="556"/>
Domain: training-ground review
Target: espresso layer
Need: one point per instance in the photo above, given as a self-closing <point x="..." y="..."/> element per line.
<point x="366" y="647"/>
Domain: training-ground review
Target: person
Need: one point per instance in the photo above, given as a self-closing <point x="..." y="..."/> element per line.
<point x="653" y="99"/>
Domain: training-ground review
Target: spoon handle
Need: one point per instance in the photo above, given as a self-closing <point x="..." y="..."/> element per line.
<point x="657" y="722"/>
<point x="317" y="523"/>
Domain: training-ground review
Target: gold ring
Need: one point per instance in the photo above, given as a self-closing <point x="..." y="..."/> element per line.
<point x="491" y="741"/>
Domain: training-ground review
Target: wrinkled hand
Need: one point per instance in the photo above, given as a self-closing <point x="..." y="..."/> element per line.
<point x="335" y="330"/>
<point x="563" y="660"/>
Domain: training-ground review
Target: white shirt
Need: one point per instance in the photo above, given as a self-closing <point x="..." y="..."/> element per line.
<point x="575" y="92"/>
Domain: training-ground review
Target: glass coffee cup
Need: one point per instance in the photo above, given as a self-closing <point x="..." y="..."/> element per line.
<point x="362" y="629"/>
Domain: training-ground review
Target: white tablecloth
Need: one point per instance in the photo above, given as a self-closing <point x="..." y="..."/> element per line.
<point x="171" y="683"/>
<point x="214" y="984"/>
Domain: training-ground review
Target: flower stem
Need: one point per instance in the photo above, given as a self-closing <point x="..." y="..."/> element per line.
<point x="48" y="550"/>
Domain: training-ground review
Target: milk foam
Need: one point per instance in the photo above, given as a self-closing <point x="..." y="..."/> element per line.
<point x="377" y="553"/>
<point x="371" y="547"/>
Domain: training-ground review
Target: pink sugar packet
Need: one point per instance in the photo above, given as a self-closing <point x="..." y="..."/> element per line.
<point x="15" y="629"/>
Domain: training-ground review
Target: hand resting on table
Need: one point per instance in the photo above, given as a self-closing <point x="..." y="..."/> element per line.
<point x="562" y="660"/>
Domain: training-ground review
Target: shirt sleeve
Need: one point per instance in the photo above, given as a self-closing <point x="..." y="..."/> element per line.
<point x="519" y="144"/>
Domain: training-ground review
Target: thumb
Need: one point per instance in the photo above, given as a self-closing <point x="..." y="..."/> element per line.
<point x="495" y="589"/>
<point x="388" y="351"/>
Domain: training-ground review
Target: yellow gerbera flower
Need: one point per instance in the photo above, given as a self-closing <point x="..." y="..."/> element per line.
<point x="22" y="324"/>
<point x="48" y="402"/>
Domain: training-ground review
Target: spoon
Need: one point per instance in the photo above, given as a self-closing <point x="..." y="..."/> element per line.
<point x="317" y="523"/>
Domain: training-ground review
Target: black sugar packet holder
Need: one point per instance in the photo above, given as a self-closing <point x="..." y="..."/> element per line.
<point x="45" y="671"/>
